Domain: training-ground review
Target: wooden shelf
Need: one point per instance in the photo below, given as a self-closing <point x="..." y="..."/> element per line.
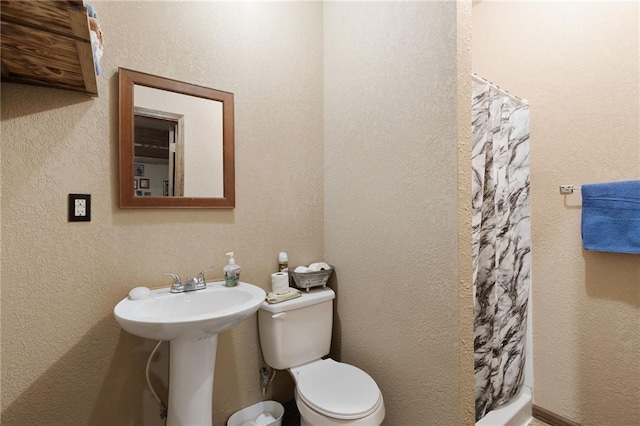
<point x="47" y="43"/>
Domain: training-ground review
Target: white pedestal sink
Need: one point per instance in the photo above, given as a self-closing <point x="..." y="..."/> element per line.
<point x="191" y="322"/>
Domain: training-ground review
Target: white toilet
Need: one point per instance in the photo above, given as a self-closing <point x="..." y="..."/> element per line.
<point x="295" y="335"/>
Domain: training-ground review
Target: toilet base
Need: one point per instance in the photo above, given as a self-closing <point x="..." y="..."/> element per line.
<point x="310" y="417"/>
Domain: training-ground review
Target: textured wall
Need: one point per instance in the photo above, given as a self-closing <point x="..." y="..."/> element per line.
<point x="0" y="278"/>
<point x="578" y="65"/>
<point x="390" y="200"/>
<point x="65" y="360"/>
<point x="465" y="258"/>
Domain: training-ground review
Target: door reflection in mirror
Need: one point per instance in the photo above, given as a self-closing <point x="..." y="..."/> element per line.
<point x="173" y="139"/>
<point x="158" y="146"/>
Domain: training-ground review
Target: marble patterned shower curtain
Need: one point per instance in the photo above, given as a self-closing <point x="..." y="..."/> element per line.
<point x="501" y="243"/>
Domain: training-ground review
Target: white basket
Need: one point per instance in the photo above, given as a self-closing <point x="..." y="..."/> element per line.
<point x="307" y="280"/>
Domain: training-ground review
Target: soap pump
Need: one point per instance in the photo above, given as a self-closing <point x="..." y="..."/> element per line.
<point x="231" y="272"/>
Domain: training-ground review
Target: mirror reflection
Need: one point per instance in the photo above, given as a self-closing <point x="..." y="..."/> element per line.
<point x="176" y="143"/>
<point x="178" y="140"/>
<point x="158" y="154"/>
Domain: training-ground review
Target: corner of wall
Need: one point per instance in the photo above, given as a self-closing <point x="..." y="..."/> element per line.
<point x="465" y="299"/>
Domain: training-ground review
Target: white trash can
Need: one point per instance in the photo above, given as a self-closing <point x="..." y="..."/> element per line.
<point x="264" y="413"/>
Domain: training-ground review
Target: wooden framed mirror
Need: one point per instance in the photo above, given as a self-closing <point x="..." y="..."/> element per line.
<point x="176" y="144"/>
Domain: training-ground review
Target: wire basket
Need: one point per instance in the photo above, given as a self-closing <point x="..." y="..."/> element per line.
<point x="309" y="280"/>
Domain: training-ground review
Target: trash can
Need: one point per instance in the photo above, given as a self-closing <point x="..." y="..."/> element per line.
<point x="264" y="413"/>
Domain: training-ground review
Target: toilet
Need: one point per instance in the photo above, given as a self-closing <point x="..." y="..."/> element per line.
<point x="295" y="335"/>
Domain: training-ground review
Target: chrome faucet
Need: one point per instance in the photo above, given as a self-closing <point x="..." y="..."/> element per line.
<point x="192" y="284"/>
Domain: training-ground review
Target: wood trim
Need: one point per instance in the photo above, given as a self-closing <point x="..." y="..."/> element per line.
<point x="551" y="418"/>
<point x="126" y="128"/>
<point x="85" y="59"/>
<point x="228" y="148"/>
<point x="79" y="24"/>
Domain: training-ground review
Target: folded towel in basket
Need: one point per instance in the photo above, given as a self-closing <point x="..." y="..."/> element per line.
<point x="611" y="217"/>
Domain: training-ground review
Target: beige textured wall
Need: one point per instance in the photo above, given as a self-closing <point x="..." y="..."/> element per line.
<point x="578" y="65"/>
<point x="65" y="361"/>
<point x="465" y="257"/>
<point x="391" y="200"/>
<point x="0" y="278"/>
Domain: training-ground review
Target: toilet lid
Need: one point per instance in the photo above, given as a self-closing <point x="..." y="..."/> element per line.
<point x="337" y="390"/>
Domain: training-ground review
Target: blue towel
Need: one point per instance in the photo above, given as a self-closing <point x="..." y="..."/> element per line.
<point x="611" y="217"/>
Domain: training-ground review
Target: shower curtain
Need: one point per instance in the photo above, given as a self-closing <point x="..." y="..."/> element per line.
<point x="501" y="243"/>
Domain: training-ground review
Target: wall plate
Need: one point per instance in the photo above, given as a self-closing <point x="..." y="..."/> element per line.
<point x="79" y="207"/>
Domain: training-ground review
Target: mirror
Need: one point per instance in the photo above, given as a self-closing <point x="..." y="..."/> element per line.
<point x="176" y="144"/>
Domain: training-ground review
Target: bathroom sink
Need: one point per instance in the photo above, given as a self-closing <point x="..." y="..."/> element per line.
<point x="191" y="315"/>
<point x="191" y="321"/>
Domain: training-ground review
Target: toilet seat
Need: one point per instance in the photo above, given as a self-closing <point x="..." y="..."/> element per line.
<point x="337" y="390"/>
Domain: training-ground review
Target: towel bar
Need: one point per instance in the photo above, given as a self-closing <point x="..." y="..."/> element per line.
<point x="568" y="189"/>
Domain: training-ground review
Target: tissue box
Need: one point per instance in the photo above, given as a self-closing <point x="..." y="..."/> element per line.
<point x="309" y="280"/>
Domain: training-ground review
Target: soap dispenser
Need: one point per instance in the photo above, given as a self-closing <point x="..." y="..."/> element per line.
<point x="231" y="272"/>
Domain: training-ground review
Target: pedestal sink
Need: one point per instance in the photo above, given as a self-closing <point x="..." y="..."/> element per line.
<point x="191" y="321"/>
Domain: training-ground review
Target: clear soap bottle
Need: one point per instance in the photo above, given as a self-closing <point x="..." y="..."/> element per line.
<point x="231" y="272"/>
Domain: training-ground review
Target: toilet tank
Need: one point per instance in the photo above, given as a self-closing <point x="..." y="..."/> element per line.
<point x="297" y="331"/>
